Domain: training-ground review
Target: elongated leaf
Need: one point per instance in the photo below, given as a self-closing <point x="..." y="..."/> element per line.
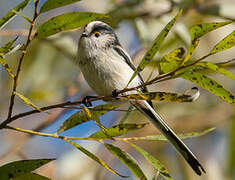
<point x="162" y="96"/>
<point x="93" y="116"/>
<point x="182" y="136"/>
<point x="3" y="62"/>
<point x="65" y="22"/>
<point x="216" y="68"/>
<point x="117" y="130"/>
<point x="10" y="14"/>
<point x="31" y="176"/>
<point x="210" y="85"/>
<point x="81" y="117"/>
<point x="127" y="160"/>
<point x="27" y="101"/>
<point x="191" y="49"/>
<point x="198" y="31"/>
<point x="171" y="61"/>
<point x="7" y="47"/>
<point x="18" y="168"/>
<point x="226" y="43"/>
<point x="52" y="4"/>
<point x="155" y="46"/>
<point x="94" y="157"/>
<point x="156" y="163"/>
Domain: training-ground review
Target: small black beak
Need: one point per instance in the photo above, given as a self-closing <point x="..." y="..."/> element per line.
<point x="84" y="34"/>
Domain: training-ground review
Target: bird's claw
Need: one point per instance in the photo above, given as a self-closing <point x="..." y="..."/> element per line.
<point x="86" y="101"/>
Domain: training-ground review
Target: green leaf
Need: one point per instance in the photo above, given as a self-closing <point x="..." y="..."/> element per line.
<point x="27" y="101"/>
<point x="216" y="68"/>
<point x="117" y="130"/>
<point x="65" y="22"/>
<point x="128" y="160"/>
<point x="7" y="17"/>
<point x="198" y="31"/>
<point x="3" y="62"/>
<point x="7" y="47"/>
<point x="94" y="157"/>
<point x="31" y="176"/>
<point x="96" y="120"/>
<point x="171" y="61"/>
<point x="155" y="46"/>
<point x="162" y="96"/>
<point x="181" y="136"/>
<point x="18" y="168"/>
<point x="52" y="4"/>
<point x="156" y="163"/>
<point x="191" y="49"/>
<point x="210" y="85"/>
<point x="81" y="116"/>
<point x="226" y="43"/>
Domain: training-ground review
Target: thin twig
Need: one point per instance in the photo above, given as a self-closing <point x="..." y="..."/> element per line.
<point x="69" y="103"/>
<point x="19" y="66"/>
<point x="27" y="131"/>
<point x="161" y="76"/>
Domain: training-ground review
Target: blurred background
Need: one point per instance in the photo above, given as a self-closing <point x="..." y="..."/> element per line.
<point x="50" y="75"/>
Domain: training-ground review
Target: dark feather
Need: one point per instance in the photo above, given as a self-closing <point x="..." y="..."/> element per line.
<point x="125" y="57"/>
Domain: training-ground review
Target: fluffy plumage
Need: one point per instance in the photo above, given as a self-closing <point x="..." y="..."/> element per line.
<point x="106" y="67"/>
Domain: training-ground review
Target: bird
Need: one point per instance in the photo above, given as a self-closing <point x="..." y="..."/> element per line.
<point x="107" y="68"/>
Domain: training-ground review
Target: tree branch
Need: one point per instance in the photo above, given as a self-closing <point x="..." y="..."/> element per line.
<point x="29" y="39"/>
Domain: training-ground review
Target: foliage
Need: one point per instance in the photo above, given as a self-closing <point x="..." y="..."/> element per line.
<point x="172" y="65"/>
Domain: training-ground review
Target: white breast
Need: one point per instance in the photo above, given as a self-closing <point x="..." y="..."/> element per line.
<point x="107" y="73"/>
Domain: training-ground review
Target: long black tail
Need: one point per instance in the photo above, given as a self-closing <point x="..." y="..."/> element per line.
<point x="159" y="123"/>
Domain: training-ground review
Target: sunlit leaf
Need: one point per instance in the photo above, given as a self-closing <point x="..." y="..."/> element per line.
<point x="52" y="4"/>
<point x="161" y="96"/>
<point x="31" y="176"/>
<point x="226" y="43"/>
<point x="155" y="46"/>
<point x="94" y="157"/>
<point x="6" y="66"/>
<point x="216" y="68"/>
<point x="127" y="159"/>
<point x="117" y="130"/>
<point x="65" y="22"/>
<point x="81" y="117"/>
<point x="191" y="49"/>
<point x="18" y="168"/>
<point x="171" y="61"/>
<point x="182" y="136"/>
<point x="156" y="163"/>
<point x="198" y="31"/>
<point x="7" y="47"/>
<point x="10" y="14"/>
<point x="27" y="101"/>
<point x="210" y="85"/>
<point x="93" y="116"/>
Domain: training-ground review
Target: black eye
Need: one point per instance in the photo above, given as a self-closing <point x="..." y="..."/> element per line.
<point x="97" y="34"/>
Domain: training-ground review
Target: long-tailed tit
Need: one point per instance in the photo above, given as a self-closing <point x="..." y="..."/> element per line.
<point x="107" y="67"/>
